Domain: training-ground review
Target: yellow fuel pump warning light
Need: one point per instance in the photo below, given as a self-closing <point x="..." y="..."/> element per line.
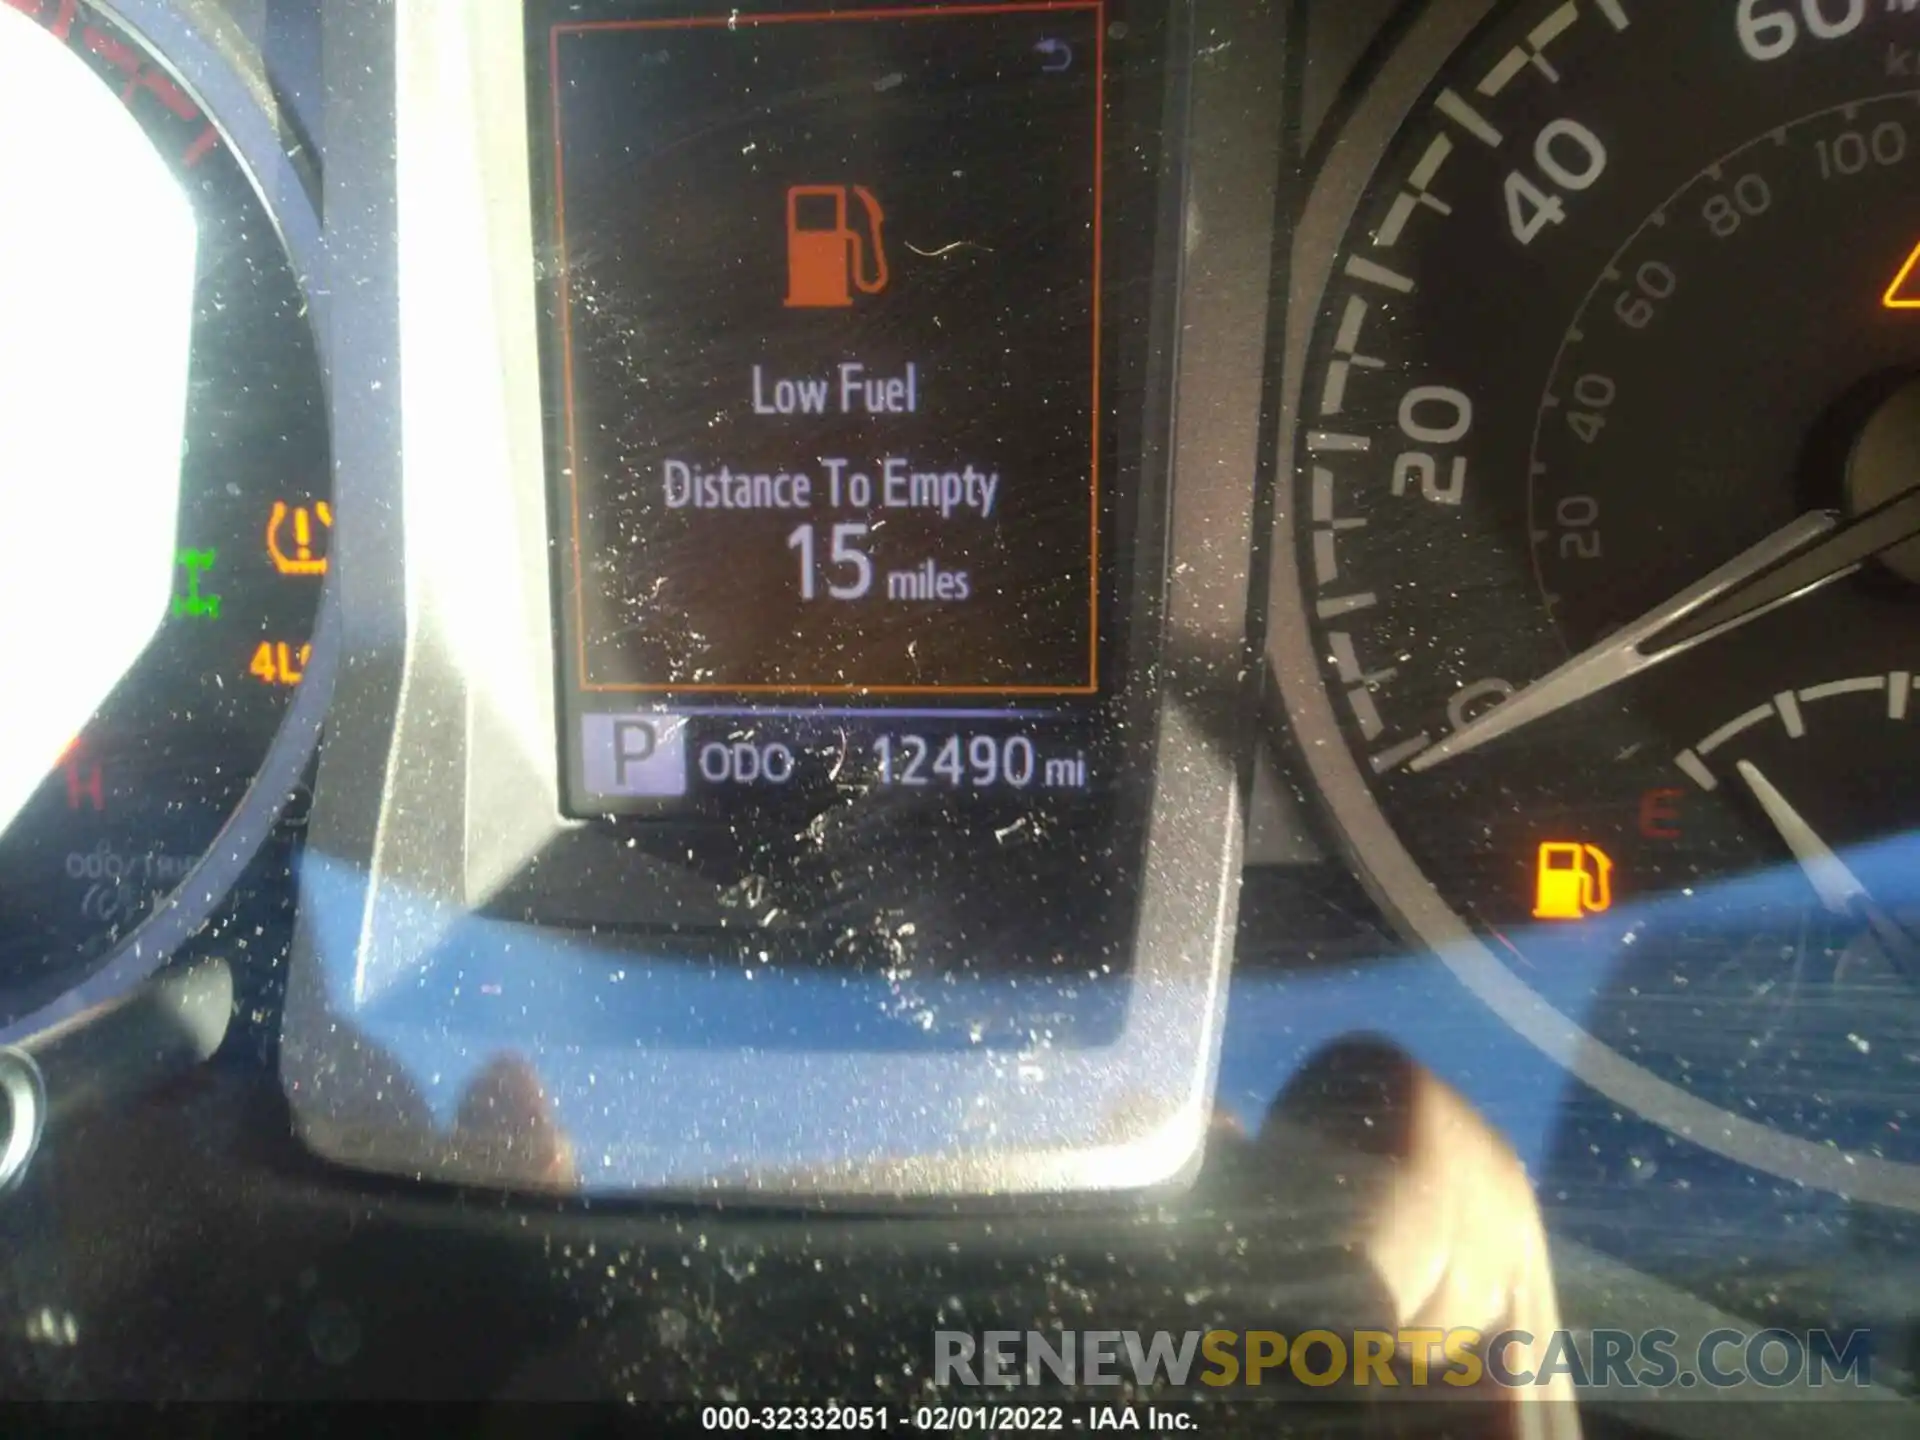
<point x="1572" y="881"/>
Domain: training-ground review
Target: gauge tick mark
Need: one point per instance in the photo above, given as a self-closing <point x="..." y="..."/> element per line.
<point x="1419" y="192"/>
<point x="1788" y="706"/>
<point x="1389" y="760"/>
<point x="1323" y="509"/>
<point x="1340" y="605"/>
<point x="1695" y="769"/>
<point x="1326" y="564"/>
<point x="1468" y="119"/>
<point x="1735" y="728"/>
<point x="1814" y="694"/>
<point x="1360" y="268"/>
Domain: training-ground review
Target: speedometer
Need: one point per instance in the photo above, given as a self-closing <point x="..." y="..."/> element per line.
<point x="162" y="798"/>
<point x="1595" y="601"/>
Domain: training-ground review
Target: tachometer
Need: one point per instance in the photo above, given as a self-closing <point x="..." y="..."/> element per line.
<point x="1596" y="599"/>
<point x="161" y="799"/>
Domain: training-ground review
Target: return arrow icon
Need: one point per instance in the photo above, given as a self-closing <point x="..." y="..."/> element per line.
<point x="1055" y="55"/>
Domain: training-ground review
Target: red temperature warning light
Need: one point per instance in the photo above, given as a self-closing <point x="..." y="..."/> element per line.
<point x="1904" y="292"/>
<point x="1572" y="881"/>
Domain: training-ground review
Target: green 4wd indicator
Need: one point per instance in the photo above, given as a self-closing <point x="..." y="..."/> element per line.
<point x="194" y="604"/>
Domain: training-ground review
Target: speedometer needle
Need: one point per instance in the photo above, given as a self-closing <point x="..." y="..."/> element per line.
<point x="1791" y="563"/>
<point x="1839" y="889"/>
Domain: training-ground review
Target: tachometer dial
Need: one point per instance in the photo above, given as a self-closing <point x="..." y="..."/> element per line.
<point x="161" y="798"/>
<point x="1599" y="601"/>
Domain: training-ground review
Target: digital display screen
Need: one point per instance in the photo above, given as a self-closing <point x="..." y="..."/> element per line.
<point x="866" y="460"/>
<point x="843" y="383"/>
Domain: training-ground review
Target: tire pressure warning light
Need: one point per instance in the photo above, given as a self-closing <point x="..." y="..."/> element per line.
<point x="294" y="542"/>
<point x="1572" y="881"/>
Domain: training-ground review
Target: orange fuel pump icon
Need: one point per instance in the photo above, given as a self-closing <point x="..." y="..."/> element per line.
<point x="827" y="259"/>
<point x="1572" y="882"/>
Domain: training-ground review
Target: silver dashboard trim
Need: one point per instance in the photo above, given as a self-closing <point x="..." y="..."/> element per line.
<point x="376" y="1079"/>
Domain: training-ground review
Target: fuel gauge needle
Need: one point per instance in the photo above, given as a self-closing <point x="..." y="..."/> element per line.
<point x="1839" y="889"/>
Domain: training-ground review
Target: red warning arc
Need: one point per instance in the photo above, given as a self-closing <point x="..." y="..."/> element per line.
<point x="1904" y="293"/>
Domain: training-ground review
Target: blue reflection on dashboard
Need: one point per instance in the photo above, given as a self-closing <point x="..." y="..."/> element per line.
<point x="1648" y="977"/>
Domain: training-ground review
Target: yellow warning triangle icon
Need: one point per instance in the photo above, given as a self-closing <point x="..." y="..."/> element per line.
<point x="1904" y="293"/>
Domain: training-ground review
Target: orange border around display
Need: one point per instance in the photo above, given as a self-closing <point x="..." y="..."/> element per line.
<point x="1092" y="687"/>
